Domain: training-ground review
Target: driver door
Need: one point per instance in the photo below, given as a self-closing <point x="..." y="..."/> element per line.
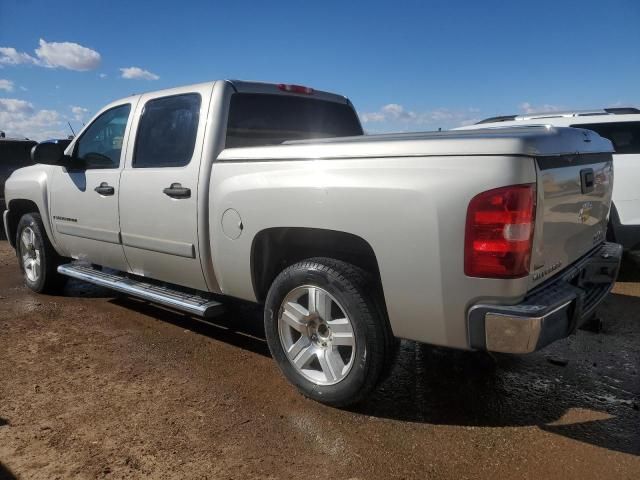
<point x="84" y="199"/>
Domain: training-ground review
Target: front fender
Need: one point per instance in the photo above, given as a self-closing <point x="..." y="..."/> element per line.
<point x="32" y="184"/>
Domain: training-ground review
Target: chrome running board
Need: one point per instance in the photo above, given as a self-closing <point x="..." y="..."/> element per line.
<point x="194" y="303"/>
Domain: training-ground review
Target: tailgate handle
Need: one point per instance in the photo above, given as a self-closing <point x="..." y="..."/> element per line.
<point x="587" y="180"/>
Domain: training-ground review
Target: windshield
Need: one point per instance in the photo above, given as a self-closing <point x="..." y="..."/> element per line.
<point x="262" y="119"/>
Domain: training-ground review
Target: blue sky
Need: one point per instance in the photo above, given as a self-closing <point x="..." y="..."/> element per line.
<point x="406" y="65"/>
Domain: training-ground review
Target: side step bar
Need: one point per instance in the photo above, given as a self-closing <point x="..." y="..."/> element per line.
<point x="193" y="303"/>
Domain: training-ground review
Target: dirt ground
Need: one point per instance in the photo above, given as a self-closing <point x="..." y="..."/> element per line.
<point x="98" y="386"/>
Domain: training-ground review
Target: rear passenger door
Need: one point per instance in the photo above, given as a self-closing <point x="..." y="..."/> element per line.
<point x="159" y="187"/>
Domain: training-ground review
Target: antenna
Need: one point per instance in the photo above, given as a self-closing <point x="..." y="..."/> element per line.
<point x="74" y="133"/>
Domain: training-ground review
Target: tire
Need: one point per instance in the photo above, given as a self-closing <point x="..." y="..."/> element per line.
<point x="37" y="258"/>
<point x="337" y="351"/>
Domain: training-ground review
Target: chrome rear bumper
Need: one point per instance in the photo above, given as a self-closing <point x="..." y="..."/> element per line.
<point x="550" y="312"/>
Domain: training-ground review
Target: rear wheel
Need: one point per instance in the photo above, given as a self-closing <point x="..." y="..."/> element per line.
<point x="37" y="257"/>
<point x="325" y="331"/>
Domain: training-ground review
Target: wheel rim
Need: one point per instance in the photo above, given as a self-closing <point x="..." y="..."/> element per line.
<point x="30" y="253"/>
<point x="316" y="335"/>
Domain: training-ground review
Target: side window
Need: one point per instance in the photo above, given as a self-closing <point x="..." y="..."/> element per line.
<point x="101" y="144"/>
<point x="625" y="136"/>
<point x="167" y="132"/>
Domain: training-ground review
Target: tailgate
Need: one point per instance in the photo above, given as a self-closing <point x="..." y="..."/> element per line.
<point x="574" y="197"/>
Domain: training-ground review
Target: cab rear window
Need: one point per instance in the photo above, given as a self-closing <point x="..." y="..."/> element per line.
<point x="263" y="119"/>
<point x="625" y="136"/>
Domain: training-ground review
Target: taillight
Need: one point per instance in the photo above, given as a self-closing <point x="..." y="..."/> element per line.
<point x="499" y="232"/>
<point x="295" y="89"/>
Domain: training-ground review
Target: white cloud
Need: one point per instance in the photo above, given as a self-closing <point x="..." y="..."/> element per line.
<point x="526" y="107"/>
<point x="13" y="105"/>
<point x="6" y="85"/>
<point x="69" y="55"/>
<point x="102" y="75"/>
<point x="79" y="113"/>
<point x="10" y="56"/>
<point x="396" y="117"/>
<point x="389" y="112"/>
<point x="137" y="73"/>
<point x="19" y="118"/>
<point x="372" y="117"/>
<point x="397" y="112"/>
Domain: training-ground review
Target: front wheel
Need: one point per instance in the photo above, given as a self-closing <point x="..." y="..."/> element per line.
<point x="326" y="332"/>
<point x="38" y="259"/>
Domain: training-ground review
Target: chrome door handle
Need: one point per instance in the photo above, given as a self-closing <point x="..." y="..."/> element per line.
<point x="105" y="189"/>
<point x="176" y="190"/>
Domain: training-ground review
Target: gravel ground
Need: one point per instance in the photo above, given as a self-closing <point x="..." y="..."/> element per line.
<point x="98" y="386"/>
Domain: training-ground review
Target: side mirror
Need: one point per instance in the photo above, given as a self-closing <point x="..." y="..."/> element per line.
<point x="48" y="153"/>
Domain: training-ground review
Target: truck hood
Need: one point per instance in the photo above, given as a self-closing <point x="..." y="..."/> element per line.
<point x="532" y="141"/>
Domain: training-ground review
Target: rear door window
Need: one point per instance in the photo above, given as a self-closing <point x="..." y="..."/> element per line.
<point x="264" y="119"/>
<point x="625" y="136"/>
<point x="167" y="132"/>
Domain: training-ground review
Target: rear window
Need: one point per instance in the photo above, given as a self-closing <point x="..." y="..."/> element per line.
<point x="16" y="154"/>
<point x="625" y="136"/>
<point x="167" y="132"/>
<point x="262" y="119"/>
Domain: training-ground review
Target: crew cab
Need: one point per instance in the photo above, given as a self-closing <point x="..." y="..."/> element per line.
<point x="620" y="125"/>
<point x="489" y="240"/>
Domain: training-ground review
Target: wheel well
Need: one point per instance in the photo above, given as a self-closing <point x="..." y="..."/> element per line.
<point x="275" y="249"/>
<point x="17" y="208"/>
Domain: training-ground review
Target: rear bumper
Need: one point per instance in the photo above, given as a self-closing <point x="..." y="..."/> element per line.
<point x="550" y="312"/>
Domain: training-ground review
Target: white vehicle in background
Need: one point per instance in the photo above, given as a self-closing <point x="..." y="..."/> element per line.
<point x="622" y="127"/>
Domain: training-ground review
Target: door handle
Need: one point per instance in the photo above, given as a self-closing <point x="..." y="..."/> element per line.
<point x="105" y="189"/>
<point x="176" y="190"/>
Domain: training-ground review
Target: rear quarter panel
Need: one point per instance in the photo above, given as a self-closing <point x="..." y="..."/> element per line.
<point x="410" y="210"/>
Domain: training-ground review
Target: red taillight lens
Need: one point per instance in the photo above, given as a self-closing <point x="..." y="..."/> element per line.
<point x="499" y="233"/>
<point x="295" y="89"/>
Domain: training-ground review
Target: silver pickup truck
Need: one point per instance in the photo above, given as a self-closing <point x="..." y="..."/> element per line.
<point x="488" y="239"/>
